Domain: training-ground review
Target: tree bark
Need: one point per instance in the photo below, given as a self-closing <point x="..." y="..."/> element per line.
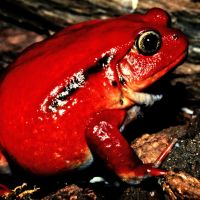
<point x="45" y="16"/>
<point x="54" y="14"/>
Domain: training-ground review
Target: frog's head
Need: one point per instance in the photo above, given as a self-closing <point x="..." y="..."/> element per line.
<point x="156" y="49"/>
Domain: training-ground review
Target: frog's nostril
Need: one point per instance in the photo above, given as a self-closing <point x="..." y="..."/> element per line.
<point x="175" y="36"/>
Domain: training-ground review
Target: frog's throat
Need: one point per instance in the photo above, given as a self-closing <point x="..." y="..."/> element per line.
<point x="141" y="98"/>
<point x="130" y="91"/>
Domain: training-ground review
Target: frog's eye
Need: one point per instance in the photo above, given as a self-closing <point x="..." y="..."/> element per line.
<point x="148" y="42"/>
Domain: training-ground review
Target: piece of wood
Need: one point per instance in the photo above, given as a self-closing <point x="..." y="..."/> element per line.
<point x="44" y="17"/>
<point x="54" y="14"/>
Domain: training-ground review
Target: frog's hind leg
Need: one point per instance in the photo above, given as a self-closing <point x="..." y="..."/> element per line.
<point x="152" y="168"/>
<point x="4" y="166"/>
<point x="104" y="137"/>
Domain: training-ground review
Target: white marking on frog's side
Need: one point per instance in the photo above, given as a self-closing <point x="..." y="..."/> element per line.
<point x="74" y="101"/>
<point x="76" y="81"/>
<point x="52" y="109"/>
<point x="43" y="105"/>
<point x="109" y="74"/>
<point x="61" y="103"/>
<point x="40" y="118"/>
<point x="54" y="116"/>
<point x="55" y="90"/>
<point x="61" y="112"/>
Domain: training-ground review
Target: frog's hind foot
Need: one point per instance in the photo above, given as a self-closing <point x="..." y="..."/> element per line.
<point x="149" y="170"/>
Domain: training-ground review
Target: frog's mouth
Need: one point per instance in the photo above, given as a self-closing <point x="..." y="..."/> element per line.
<point x="132" y="90"/>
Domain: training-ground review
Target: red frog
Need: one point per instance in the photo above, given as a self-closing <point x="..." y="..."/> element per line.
<point x="72" y="94"/>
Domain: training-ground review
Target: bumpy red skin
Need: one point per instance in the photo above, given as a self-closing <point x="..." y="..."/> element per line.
<point x="47" y="142"/>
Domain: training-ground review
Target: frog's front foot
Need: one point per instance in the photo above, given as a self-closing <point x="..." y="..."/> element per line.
<point x="4" y="166"/>
<point x="104" y="137"/>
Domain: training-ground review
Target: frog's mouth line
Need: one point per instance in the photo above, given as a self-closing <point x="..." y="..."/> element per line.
<point x="150" y="80"/>
<point x="146" y="98"/>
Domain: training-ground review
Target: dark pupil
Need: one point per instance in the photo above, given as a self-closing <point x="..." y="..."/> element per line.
<point x="150" y="43"/>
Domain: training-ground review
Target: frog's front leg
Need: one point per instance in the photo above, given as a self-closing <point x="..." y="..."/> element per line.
<point x="105" y="139"/>
<point x="131" y="115"/>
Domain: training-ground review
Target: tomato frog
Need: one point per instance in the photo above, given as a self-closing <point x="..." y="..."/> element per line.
<point x="68" y="98"/>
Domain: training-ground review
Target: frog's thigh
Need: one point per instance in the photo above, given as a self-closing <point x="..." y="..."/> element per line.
<point x="104" y="138"/>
